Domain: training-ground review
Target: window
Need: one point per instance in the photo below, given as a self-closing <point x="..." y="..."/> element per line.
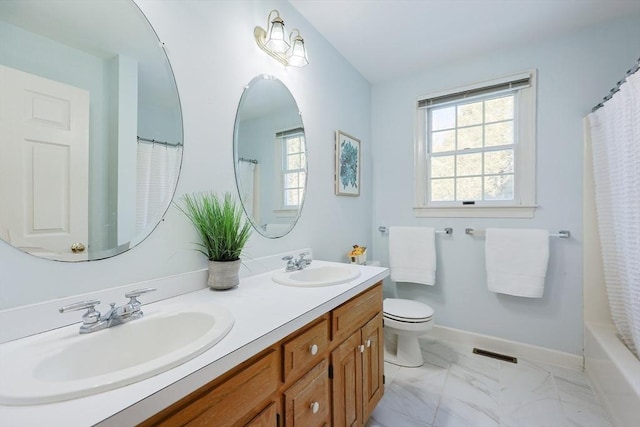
<point x="475" y="151"/>
<point x="293" y="175"/>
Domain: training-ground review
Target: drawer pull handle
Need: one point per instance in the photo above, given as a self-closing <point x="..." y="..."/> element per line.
<point x="315" y="407"/>
<point x="313" y="350"/>
<point x="361" y="348"/>
<point x="368" y="343"/>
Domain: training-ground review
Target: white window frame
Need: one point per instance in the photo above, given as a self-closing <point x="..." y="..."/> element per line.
<point x="524" y="203"/>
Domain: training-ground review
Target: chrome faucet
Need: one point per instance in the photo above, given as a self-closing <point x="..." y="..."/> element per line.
<point x="294" y="264"/>
<point x="93" y="321"/>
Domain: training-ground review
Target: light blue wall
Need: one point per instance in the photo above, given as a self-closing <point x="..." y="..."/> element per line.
<point x="214" y="55"/>
<point x="574" y="73"/>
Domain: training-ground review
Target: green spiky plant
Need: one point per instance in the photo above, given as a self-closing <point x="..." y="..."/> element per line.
<point x="219" y="222"/>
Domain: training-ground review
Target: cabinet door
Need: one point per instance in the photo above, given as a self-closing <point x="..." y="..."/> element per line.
<point x="372" y="365"/>
<point x="346" y="360"/>
<point x="307" y="402"/>
<point x="267" y="418"/>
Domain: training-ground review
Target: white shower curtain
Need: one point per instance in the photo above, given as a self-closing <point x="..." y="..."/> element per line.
<point x="158" y="167"/>
<point x="615" y="135"/>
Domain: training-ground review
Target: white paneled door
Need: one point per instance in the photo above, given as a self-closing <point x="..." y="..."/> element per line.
<point x="44" y="155"/>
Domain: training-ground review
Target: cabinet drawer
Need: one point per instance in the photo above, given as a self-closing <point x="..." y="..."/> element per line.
<point x="307" y="402"/>
<point x="305" y="349"/>
<point x="353" y="314"/>
<point x="229" y="401"/>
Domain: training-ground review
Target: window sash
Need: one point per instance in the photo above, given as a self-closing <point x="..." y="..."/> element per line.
<point x="456" y="177"/>
<point x="285" y="136"/>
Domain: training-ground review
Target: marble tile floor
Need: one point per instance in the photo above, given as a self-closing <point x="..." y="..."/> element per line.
<point x="456" y="388"/>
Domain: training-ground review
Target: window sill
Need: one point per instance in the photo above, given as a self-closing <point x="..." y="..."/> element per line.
<point x="286" y="213"/>
<point x="476" y="212"/>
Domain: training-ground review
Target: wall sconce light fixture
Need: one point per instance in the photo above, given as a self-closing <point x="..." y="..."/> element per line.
<point x="286" y="50"/>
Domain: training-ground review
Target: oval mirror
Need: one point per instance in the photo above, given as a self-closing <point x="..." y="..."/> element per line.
<point x="91" y="132"/>
<point x="270" y="156"/>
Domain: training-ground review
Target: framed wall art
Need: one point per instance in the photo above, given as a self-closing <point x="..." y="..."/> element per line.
<point x="347" y="174"/>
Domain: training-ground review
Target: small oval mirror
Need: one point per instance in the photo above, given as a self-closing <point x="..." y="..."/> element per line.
<point x="270" y="156"/>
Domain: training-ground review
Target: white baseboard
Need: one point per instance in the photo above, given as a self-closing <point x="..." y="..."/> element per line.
<point x="511" y="348"/>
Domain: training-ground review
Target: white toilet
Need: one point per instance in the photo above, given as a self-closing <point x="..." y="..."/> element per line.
<point x="407" y="320"/>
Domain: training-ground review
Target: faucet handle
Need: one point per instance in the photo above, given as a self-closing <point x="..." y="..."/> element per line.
<point x="133" y="295"/>
<point x="90" y="317"/>
<point x="303" y="258"/>
<point x="287" y="258"/>
<point x="90" y="304"/>
<point x="133" y="304"/>
<point x="137" y="292"/>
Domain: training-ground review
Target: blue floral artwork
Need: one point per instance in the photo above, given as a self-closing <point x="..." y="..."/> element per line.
<point x="348" y="164"/>
<point x="347" y="161"/>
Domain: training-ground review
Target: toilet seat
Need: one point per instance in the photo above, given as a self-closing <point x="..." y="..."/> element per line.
<point x="404" y="310"/>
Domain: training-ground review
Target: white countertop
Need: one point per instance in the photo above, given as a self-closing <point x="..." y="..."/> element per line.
<point x="264" y="313"/>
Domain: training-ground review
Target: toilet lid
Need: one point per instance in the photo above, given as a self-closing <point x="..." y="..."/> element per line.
<point x="406" y="309"/>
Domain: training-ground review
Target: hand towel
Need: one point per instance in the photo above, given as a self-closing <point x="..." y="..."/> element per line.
<point x="412" y="255"/>
<point x="516" y="261"/>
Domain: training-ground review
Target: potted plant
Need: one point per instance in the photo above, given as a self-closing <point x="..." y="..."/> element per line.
<point x="223" y="232"/>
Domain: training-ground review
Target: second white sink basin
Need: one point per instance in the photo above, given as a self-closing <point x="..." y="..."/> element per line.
<point x="59" y="366"/>
<point x="326" y="275"/>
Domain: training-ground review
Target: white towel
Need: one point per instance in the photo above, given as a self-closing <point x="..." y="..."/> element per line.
<point x="412" y="255"/>
<point x="516" y="261"/>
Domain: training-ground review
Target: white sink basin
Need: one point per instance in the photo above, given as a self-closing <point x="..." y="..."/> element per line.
<point x="326" y="275"/>
<point x="58" y="366"/>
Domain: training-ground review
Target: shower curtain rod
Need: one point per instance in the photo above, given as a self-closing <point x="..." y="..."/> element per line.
<point x="616" y="88"/>
<point x="242" y="159"/>
<point x="155" y="141"/>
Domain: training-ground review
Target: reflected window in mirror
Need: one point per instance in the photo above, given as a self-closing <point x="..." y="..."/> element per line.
<point x="293" y="174"/>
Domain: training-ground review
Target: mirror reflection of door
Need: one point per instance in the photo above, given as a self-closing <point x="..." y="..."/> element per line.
<point x="44" y="137"/>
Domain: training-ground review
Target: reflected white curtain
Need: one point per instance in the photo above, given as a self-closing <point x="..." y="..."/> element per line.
<point x="249" y="185"/>
<point x="158" y="167"/>
<point x="615" y="137"/>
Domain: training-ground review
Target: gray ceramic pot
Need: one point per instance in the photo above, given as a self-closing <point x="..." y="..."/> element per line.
<point x="224" y="274"/>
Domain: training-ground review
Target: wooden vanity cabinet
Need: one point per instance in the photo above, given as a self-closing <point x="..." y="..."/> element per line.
<point x="358" y="362"/>
<point x="329" y="372"/>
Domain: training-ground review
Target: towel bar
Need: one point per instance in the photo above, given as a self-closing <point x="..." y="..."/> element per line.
<point x="563" y="234"/>
<point x="447" y="230"/>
